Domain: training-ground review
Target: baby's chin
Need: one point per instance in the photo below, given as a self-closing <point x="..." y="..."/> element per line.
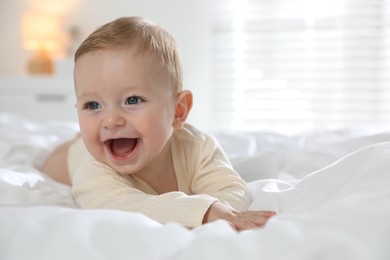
<point x="123" y="169"/>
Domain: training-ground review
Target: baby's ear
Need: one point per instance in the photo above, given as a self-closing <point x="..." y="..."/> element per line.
<point x="183" y="108"/>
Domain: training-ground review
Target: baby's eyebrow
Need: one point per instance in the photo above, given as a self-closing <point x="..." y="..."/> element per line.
<point x="81" y="95"/>
<point x="85" y="96"/>
<point x="132" y="87"/>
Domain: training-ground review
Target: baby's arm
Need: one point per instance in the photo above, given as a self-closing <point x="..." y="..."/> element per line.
<point x="94" y="185"/>
<point x="215" y="176"/>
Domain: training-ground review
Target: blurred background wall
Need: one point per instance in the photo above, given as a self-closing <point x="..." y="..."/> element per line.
<point x="187" y="21"/>
<point x="253" y="65"/>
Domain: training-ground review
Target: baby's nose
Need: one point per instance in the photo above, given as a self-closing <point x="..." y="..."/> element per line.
<point x="113" y="120"/>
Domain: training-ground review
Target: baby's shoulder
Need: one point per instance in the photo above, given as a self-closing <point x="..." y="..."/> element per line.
<point x="189" y="137"/>
<point x="189" y="133"/>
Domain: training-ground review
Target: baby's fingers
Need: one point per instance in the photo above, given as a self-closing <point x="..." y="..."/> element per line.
<point x="257" y="218"/>
<point x="242" y="224"/>
<point x="260" y="213"/>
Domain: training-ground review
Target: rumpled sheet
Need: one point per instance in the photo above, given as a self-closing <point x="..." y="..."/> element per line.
<point x="341" y="211"/>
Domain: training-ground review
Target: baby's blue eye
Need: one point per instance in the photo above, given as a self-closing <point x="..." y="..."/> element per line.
<point x="92" y="105"/>
<point x="133" y="100"/>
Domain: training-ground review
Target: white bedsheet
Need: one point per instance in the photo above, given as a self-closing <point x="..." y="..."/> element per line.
<point x="338" y="212"/>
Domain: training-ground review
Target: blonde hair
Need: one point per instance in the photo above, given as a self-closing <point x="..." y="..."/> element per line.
<point x="139" y="33"/>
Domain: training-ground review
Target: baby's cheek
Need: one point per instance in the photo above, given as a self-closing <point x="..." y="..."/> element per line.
<point x="95" y="148"/>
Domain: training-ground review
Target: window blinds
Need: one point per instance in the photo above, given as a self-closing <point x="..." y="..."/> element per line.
<point x="300" y="64"/>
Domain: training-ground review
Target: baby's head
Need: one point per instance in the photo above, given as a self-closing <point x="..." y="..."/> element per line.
<point x="145" y="37"/>
<point x="128" y="83"/>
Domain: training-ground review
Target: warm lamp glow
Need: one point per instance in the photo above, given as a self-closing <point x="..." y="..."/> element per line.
<point x="56" y="7"/>
<point x="41" y="33"/>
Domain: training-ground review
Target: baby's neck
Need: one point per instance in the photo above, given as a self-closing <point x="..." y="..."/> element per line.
<point x="160" y="174"/>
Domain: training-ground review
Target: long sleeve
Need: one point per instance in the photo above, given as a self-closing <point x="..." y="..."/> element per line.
<point x="208" y="170"/>
<point x="95" y="185"/>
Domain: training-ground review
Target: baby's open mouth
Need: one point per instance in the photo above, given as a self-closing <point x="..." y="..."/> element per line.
<point x="121" y="147"/>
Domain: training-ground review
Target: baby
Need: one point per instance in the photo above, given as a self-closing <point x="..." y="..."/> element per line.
<point x="135" y="151"/>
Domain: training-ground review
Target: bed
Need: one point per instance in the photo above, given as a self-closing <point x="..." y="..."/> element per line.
<point x="331" y="190"/>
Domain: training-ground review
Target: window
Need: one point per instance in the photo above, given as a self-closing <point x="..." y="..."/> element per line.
<point x="300" y="64"/>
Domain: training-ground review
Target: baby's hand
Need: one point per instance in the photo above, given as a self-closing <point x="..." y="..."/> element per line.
<point x="239" y="220"/>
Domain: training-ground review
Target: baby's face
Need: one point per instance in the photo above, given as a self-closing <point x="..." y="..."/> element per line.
<point x="126" y="108"/>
